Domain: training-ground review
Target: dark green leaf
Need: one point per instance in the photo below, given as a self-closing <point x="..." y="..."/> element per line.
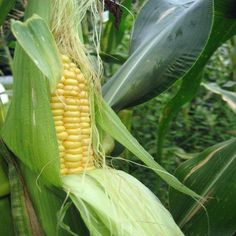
<point x="5" y="7"/>
<point x="212" y="175"/>
<point x="168" y="38"/>
<point x="223" y="29"/>
<point x="6" y="224"/>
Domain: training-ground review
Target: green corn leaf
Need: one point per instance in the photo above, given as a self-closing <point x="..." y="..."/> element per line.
<point x="110" y="123"/>
<point x="6" y="222"/>
<point x="29" y="130"/>
<point x="224" y="27"/>
<point x="36" y="39"/>
<point x="228" y="96"/>
<point x="5" y="7"/>
<point x="4" y="183"/>
<point x="48" y="203"/>
<point x="110" y="204"/>
<point x="24" y="217"/>
<point x="168" y="38"/>
<point x="212" y="175"/>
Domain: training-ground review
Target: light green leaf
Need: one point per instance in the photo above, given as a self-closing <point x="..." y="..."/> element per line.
<point x="110" y="204"/>
<point x="227" y="96"/>
<point x="29" y="130"/>
<point x="110" y="123"/>
<point x="36" y="39"/>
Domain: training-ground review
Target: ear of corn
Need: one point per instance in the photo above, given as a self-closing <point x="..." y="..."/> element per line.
<point x="70" y="106"/>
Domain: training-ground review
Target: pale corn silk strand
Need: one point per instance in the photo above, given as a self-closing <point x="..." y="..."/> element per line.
<point x="133" y="208"/>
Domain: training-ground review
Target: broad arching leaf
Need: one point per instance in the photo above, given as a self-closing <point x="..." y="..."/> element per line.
<point x="224" y="27"/>
<point x="212" y="175"/>
<point x="168" y="38"/>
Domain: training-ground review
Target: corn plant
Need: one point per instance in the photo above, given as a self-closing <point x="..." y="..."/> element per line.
<point x="54" y="137"/>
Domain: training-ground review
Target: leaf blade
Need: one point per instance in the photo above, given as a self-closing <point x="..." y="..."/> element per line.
<point x="36" y="39"/>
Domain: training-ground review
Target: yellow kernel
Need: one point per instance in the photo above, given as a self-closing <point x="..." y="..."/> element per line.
<point x="62" y="160"/>
<point x="58" y="118"/>
<point x="84" y="125"/>
<point x="69" y="74"/>
<point x="70" y="144"/>
<point x="61" y="148"/>
<point x="56" y="98"/>
<point x="71" y="87"/>
<point x="72" y="114"/>
<point x="71" y="93"/>
<point x="72" y="65"/>
<point x="88" y="153"/>
<point x="63" y="166"/>
<point x="72" y="101"/>
<point x="84" y="102"/>
<point x="59" y="92"/>
<point x="82" y="86"/>
<point x="74" y="164"/>
<point x="66" y="66"/>
<point x="84" y="136"/>
<point x="85" y="119"/>
<point x="71" y="119"/>
<point x="57" y="112"/>
<point x="75" y="170"/>
<point x="84" y="114"/>
<point x="62" y="136"/>
<point x="71" y="108"/>
<point x="77" y="70"/>
<point x="63" y="79"/>
<point x="60" y="129"/>
<point x="65" y="58"/>
<point x="58" y="123"/>
<point x="75" y="138"/>
<point x="83" y="94"/>
<point x="71" y="82"/>
<point x="86" y="131"/>
<point x="63" y="171"/>
<point x="73" y="131"/>
<point x="87" y="148"/>
<point x="86" y="141"/>
<point x="84" y="109"/>
<point x="72" y="126"/>
<point x="60" y="86"/>
<point x="57" y="105"/>
<point x="80" y="78"/>
<point x="89" y="167"/>
<point x="73" y="157"/>
<point x="75" y="151"/>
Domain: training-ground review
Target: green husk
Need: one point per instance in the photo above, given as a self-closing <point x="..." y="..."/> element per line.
<point x="37" y="41"/>
<point x="110" y="123"/>
<point x="120" y="203"/>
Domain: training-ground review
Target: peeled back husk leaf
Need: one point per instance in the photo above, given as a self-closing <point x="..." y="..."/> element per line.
<point x="118" y="202"/>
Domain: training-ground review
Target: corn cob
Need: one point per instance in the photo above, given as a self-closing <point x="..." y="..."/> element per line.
<point x="71" y="112"/>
